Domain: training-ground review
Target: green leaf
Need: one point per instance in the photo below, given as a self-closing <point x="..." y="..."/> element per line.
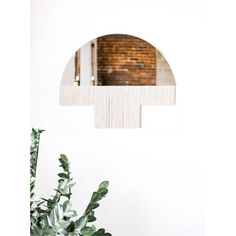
<point x="91" y="207"/>
<point x="32" y="185"/>
<point x="70" y="213"/>
<point x="81" y="223"/>
<point x="91" y="216"/>
<point x="100" y="232"/>
<point x="64" y="162"/>
<point x="87" y="231"/>
<point x="64" y="186"/>
<point x="67" y="206"/>
<point x="63" y="158"/>
<point x="95" y="197"/>
<point x="104" y="184"/>
<point x="63" y="175"/>
<point x="71" y="227"/>
<point x="102" y="192"/>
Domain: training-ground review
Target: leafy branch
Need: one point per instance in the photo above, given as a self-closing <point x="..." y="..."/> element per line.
<point x="34" y="150"/>
<point x="55" y="216"/>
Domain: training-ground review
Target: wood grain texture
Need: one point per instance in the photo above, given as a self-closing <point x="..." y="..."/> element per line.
<point x="117" y="106"/>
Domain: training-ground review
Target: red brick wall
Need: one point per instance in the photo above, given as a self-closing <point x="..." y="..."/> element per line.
<point x="125" y="60"/>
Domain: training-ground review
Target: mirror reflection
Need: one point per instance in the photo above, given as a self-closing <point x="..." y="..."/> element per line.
<point x="121" y="60"/>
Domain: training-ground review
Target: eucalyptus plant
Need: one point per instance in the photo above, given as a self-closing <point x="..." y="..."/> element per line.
<point x="55" y="216"/>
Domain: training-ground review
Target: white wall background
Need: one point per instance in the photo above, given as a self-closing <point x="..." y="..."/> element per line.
<point x="157" y="173"/>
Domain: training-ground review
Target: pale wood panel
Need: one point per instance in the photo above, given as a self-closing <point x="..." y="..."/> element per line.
<point x="117" y="106"/>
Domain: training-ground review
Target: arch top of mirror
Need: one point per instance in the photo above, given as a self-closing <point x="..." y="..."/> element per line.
<point x="118" y="60"/>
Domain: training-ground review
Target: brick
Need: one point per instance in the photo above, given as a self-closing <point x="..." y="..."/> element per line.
<point x="125" y="60"/>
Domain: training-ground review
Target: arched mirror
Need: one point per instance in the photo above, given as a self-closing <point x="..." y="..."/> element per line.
<point x="117" y="73"/>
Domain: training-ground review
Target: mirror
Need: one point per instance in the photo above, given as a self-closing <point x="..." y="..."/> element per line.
<point x="117" y="74"/>
<point x="119" y="60"/>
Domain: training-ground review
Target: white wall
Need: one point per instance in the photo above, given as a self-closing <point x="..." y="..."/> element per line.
<point x="157" y="173"/>
<point x="69" y="72"/>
